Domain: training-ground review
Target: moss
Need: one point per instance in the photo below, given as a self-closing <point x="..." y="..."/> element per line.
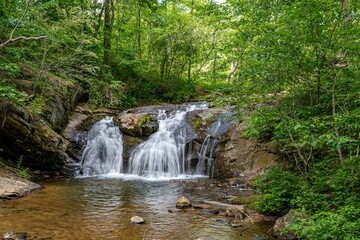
<point x="143" y="120"/>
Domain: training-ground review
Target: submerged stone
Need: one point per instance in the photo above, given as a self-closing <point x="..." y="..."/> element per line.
<point x="14" y="236"/>
<point x="137" y="220"/>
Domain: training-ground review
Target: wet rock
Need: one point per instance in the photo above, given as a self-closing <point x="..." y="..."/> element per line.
<point x="201" y="206"/>
<point x="137" y="124"/>
<point x="175" y="210"/>
<point x="12" y="187"/>
<point x="284" y="221"/>
<point x="137" y="220"/>
<point x="210" y="211"/>
<point x="183" y="202"/>
<point x="14" y="236"/>
<point x="221" y="220"/>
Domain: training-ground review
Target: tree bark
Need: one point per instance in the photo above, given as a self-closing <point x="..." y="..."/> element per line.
<point x="107" y="31"/>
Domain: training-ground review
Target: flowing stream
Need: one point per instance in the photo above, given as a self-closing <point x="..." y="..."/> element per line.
<point x="100" y="202"/>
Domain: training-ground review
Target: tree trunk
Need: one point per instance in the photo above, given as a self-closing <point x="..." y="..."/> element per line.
<point x="107" y="32"/>
<point x="139" y="28"/>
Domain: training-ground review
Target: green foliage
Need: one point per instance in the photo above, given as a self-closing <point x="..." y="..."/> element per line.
<point x="22" y="171"/>
<point x="10" y="92"/>
<point x="278" y="187"/>
<point x="37" y="105"/>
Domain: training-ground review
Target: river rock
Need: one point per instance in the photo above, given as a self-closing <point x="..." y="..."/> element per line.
<point x="175" y="210"/>
<point x="201" y="206"/>
<point x="14" y="236"/>
<point x="137" y="220"/>
<point x="183" y="202"/>
<point x="12" y="187"/>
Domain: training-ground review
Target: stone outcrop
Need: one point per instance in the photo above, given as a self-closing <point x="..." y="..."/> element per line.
<point x="12" y="186"/>
<point x="25" y="134"/>
<point x="244" y="158"/>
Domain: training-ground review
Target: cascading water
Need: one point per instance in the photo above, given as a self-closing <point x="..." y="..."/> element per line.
<point x="103" y="152"/>
<point x="206" y="158"/>
<point x="164" y="153"/>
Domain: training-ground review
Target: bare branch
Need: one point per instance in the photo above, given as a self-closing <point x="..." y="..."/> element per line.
<point x="9" y="41"/>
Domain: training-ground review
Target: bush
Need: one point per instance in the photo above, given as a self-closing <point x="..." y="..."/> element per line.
<point x="278" y="187"/>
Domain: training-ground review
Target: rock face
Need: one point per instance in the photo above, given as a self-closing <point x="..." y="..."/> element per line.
<point x="12" y="187"/>
<point x="137" y="220"/>
<point x="241" y="157"/>
<point x="22" y="133"/>
<point x="183" y="202"/>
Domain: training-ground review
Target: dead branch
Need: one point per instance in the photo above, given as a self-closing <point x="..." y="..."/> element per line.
<point x="12" y="39"/>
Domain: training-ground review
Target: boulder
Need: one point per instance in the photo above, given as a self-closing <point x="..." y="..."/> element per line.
<point x="137" y="220"/>
<point x="284" y="221"/>
<point x="183" y="202"/>
<point x="12" y="186"/>
<point x="136" y="124"/>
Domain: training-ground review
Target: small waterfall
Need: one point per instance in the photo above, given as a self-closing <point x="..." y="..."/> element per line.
<point x="103" y="152"/>
<point x="205" y="164"/>
<point x="164" y="153"/>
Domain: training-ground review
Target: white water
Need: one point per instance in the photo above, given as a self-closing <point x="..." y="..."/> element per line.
<point x="103" y="153"/>
<point x="163" y="155"/>
<point x="206" y="160"/>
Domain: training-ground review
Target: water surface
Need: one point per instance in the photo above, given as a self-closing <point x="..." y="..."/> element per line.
<point x="101" y="208"/>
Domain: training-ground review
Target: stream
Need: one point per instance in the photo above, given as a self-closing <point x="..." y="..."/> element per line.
<point x="101" y="208"/>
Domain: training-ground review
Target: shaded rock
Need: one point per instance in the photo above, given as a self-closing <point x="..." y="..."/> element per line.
<point x="183" y="202"/>
<point x="284" y="221"/>
<point x="137" y="220"/>
<point x="12" y="186"/>
<point x="23" y="133"/>
<point x="14" y="236"/>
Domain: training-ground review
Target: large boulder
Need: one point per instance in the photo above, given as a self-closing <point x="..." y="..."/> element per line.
<point x="137" y="124"/>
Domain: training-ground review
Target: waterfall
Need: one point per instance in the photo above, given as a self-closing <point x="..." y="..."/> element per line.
<point x="103" y="152"/>
<point x="206" y="158"/>
<point x="164" y="153"/>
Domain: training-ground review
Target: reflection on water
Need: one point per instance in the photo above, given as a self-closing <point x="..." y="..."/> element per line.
<point x="92" y="208"/>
